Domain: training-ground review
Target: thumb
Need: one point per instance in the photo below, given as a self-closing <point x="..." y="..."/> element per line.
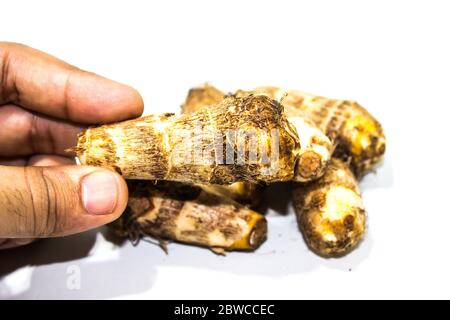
<point x="58" y="201"/>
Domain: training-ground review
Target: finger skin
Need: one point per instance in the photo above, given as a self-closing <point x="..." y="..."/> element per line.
<point x="46" y="201"/>
<point x="41" y="160"/>
<point x="49" y="161"/>
<point x="13" y="243"/>
<point x="13" y="161"/>
<point x="24" y="133"/>
<point x="42" y="83"/>
<point x="38" y="160"/>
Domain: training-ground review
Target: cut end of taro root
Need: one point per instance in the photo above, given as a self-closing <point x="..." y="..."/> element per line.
<point x="255" y="237"/>
<point x="309" y="166"/>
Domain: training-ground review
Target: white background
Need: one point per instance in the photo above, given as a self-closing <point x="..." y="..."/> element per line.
<point x="391" y="56"/>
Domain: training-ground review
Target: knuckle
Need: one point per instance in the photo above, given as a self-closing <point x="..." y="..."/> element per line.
<point x="49" y="202"/>
<point x="40" y="137"/>
<point x="42" y="194"/>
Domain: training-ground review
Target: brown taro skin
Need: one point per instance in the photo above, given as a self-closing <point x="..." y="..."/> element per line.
<point x="200" y="97"/>
<point x="315" y="147"/>
<point x="330" y="211"/>
<point x="189" y="214"/>
<point x="160" y="147"/>
<point x="246" y="193"/>
<point x="357" y="134"/>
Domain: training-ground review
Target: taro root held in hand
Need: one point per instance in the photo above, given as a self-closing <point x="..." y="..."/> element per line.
<point x="189" y="214"/>
<point x="330" y="211"/>
<point x="239" y="139"/>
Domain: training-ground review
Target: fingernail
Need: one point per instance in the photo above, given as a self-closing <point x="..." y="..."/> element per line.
<point x="99" y="193"/>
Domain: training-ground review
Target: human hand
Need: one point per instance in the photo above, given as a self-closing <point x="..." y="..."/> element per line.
<point x="44" y="104"/>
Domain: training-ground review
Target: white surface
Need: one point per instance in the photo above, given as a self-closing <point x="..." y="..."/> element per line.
<point x="391" y="56"/>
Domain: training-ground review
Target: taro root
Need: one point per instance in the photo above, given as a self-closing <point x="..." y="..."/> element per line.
<point x="239" y="139"/>
<point x="313" y="157"/>
<point x="330" y="211"/>
<point x="358" y="136"/>
<point x="243" y="192"/>
<point x="189" y="214"/>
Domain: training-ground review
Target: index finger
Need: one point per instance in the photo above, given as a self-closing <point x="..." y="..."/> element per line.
<point x="42" y="83"/>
